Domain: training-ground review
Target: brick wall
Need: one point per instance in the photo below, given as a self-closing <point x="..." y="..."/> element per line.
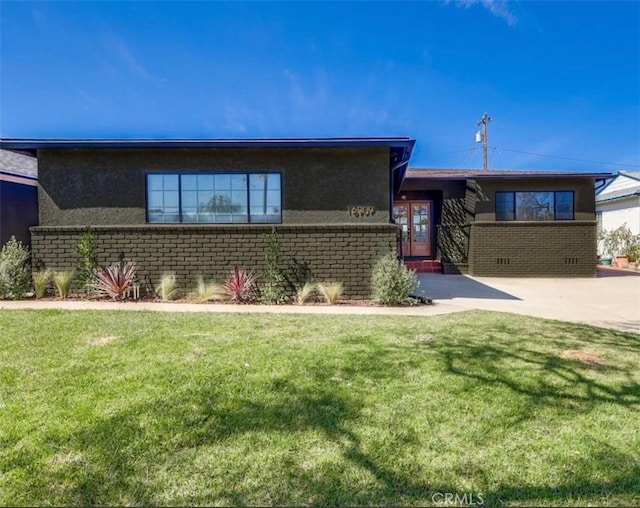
<point x="342" y="253"/>
<point x="526" y="249"/>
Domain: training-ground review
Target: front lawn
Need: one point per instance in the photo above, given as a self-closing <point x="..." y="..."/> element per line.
<point x="118" y="408"/>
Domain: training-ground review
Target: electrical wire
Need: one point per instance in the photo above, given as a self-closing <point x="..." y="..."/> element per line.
<point x="568" y="158"/>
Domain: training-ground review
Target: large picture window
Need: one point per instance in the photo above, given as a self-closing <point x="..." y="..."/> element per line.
<point x="214" y="197"/>
<point x="534" y="205"/>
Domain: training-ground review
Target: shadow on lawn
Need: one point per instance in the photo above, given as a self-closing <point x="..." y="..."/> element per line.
<point x="117" y="447"/>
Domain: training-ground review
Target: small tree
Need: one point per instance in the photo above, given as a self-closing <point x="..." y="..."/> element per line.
<point x="392" y="281"/>
<point x="15" y="270"/>
<point x="272" y="289"/>
<point x="87" y="259"/>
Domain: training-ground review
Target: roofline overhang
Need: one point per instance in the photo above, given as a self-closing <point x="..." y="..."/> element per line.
<point x="617" y="198"/>
<point x="515" y="176"/>
<point x="27" y="144"/>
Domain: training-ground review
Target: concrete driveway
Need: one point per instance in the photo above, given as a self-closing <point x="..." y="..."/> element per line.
<point x="611" y="300"/>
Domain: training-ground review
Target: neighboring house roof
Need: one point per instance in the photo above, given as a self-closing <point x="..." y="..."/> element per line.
<point x="478" y="174"/>
<point x="617" y="189"/>
<point x="18" y="164"/>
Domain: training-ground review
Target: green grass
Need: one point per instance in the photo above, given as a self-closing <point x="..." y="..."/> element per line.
<point x="118" y="408"/>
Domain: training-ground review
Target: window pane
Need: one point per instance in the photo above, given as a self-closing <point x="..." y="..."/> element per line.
<point x="274" y="182"/>
<point x="171" y="199"/>
<point x="564" y="205"/>
<point x="238" y="199"/>
<point x="504" y="206"/>
<point x="189" y="199"/>
<point x="222" y="182"/>
<point x="205" y="201"/>
<point x="155" y="199"/>
<point x="534" y="206"/>
<point x="257" y="198"/>
<point x="273" y="198"/>
<point x="189" y="182"/>
<point x="258" y="181"/>
<point x="171" y="182"/>
<point x="154" y="182"/>
<point x="205" y="182"/>
<point x="238" y="182"/>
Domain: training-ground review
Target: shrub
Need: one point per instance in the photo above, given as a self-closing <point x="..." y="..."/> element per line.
<point x="392" y="281"/>
<point x="305" y="292"/>
<point x="209" y="291"/>
<point x="633" y="252"/>
<point x="331" y="291"/>
<point x="15" y="276"/>
<point x="272" y="289"/>
<point x="41" y="282"/>
<point x="240" y="285"/>
<point x="116" y="280"/>
<point x="62" y="281"/>
<point x="616" y="240"/>
<point x="87" y="259"/>
<point x="167" y="288"/>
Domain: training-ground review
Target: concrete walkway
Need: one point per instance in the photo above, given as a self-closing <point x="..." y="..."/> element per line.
<point x="609" y="301"/>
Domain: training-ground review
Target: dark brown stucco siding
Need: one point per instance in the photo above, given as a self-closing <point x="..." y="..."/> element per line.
<point x="107" y="186"/>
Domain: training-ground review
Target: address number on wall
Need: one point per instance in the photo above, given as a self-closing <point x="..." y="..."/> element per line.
<point x="362" y="211"/>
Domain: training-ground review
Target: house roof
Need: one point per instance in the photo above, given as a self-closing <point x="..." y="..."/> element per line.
<point x="606" y="194"/>
<point x="18" y="164"/>
<point x="400" y="148"/>
<point x="619" y="194"/>
<point x="398" y="143"/>
<point x="478" y="174"/>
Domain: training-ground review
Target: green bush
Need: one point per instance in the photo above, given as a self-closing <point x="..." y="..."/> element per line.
<point x="633" y="252"/>
<point x="392" y="281"/>
<point x="15" y="270"/>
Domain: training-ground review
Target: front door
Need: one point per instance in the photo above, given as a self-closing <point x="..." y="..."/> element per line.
<point x="414" y="219"/>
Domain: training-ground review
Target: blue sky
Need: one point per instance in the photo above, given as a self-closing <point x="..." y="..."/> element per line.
<point x="558" y="78"/>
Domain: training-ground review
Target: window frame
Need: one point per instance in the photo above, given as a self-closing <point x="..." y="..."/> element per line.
<point x="246" y="174"/>
<point x="514" y="205"/>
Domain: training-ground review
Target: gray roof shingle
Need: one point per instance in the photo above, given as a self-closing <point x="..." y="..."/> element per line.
<point x="18" y="164"/>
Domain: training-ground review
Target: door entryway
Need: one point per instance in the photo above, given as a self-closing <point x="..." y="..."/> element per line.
<point x="415" y="219"/>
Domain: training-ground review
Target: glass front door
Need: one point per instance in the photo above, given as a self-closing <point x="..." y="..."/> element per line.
<point x="415" y="221"/>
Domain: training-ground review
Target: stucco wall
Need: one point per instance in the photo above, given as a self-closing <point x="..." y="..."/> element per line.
<point x="584" y="194"/>
<point x="107" y="186"/>
<point x="616" y="213"/>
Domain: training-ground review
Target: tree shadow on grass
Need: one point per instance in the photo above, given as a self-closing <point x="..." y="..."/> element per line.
<point x="114" y="464"/>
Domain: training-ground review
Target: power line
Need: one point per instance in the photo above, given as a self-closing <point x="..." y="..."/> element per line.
<point x="569" y="158"/>
<point x="455" y="151"/>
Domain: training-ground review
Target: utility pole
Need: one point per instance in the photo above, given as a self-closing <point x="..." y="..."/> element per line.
<point x="481" y="136"/>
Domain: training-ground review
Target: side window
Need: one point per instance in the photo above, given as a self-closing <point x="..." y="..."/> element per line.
<point x="534" y="205"/>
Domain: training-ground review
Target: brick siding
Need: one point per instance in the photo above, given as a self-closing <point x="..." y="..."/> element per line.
<point x="527" y="249"/>
<point x="341" y="253"/>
